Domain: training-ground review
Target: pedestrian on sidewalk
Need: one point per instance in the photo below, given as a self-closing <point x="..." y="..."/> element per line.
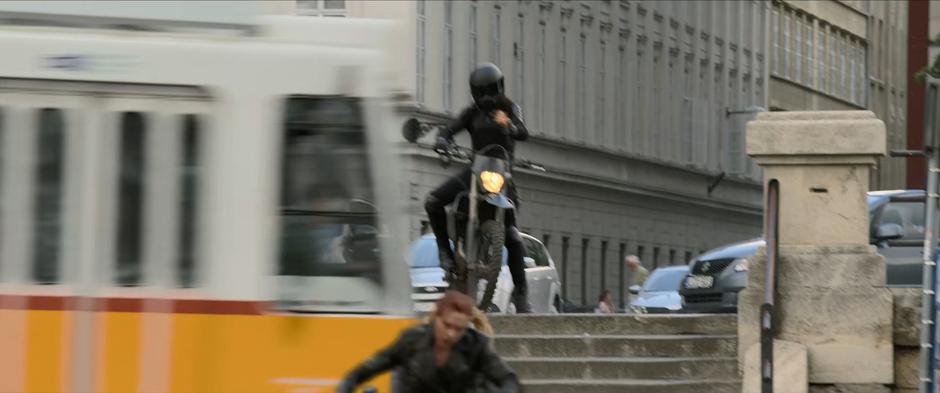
<point x="605" y="303"/>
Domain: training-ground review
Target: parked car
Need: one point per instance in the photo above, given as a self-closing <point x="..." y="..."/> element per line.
<point x="896" y="229"/>
<point x="660" y="292"/>
<point x="428" y="285"/>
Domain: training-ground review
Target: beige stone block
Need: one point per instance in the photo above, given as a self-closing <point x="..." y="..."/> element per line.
<point x="907" y="302"/>
<point x="849" y="388"/>
<point x="820" y="267"/>
<point x="847" y="331"/>
<point x="823" y="133"/>
<point x="823" y="204"/>
<point x="906" y="367"/>
<point x="791" y="368"/>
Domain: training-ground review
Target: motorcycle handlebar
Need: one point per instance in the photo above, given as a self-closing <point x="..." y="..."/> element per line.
<point x="460" y="152"/>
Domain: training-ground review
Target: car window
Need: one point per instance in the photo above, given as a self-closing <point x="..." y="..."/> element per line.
<point x="909" y="215"/>
<point x="423" y="253"/>
<point x="664" y="280"/>
<point x="536" y="251"/>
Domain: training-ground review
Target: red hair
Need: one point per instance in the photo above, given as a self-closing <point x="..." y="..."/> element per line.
<point x="454" y="301"/>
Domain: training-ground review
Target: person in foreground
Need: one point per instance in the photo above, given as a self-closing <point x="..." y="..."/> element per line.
<point x="445" y="355"/>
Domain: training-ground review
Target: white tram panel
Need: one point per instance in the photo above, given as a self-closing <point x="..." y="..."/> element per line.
<point x="247" y="79"/>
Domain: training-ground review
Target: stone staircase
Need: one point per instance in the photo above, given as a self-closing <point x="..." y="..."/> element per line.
<point x="592" y="353"/>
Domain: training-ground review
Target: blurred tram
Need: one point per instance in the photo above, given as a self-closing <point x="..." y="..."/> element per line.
<point x="196" y="209"/>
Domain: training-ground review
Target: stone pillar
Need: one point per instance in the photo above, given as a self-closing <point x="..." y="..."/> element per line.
<point x="831" y="295"/>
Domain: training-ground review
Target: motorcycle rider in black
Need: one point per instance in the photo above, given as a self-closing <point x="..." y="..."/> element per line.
<point x="492" y="119"/>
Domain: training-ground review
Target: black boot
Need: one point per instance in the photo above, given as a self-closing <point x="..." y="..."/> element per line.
<point x="521" y="300"/>
<point x="450" y="268"/>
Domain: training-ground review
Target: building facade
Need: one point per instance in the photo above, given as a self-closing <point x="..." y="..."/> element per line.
<point x="636" y="108"/>
<point x="844" y="55"/>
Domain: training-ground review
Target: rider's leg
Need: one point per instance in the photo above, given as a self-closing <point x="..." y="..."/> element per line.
<point x="515" y="255"/>
<point x="434" y="205"/>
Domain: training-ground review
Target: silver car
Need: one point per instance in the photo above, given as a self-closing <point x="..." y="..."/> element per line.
<point x="427" y="277"/>
<point x="660" y="292"/>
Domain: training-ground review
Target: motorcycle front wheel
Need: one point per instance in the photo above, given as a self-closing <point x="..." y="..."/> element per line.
<point x="492" y="238"/>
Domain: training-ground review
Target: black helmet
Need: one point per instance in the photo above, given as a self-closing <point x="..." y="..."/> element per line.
<point x="486" y="80"/>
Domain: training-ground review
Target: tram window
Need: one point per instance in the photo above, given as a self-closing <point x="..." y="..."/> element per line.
<point x="328" y="221"/>
<point x="1" y="179"/>
<point x="131" y="178"/>
<point x="48" y="195"/>
<point x="189" y="192"/>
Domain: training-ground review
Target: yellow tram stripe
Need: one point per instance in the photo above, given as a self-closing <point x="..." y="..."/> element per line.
<point x="119" y="349"/>
<point x="44" y="359"/>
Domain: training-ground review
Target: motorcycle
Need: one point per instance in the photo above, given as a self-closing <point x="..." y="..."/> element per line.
<point x="476" y="219"/>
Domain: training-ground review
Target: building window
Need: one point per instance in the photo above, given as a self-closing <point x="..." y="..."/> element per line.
<point x="601" y="111"/>
<point x="778" y="52"/>
<point x="798" y="48"/>
<point x="519" y="60"/>
<point x="862" y="75"/>
<point x="497" y="36"/>
<point x="821" y="59"/>
<point x="603" y="265"/>
<point x="131" y="186"/>
<point x="582" y="88"/>
<point x="448" y="53"/>
<point x="541" y="78"/>
<point x="329" y="8"/>
<point x="48" y="194"/>
<point x="621" y="273"/>
<point x="787" y="70"/>
<point x="419" y="60"/>
<point x="620" y="101"/>
<point x="810" y="52"/>
<point x="474" y="43"/>
<point x="833" y="64"/>
<point x="584" y="270"/>
<point x="655" y="257"/>
<point x="842" y="67"/>
<point x="672" y="257"/>
<point x="561" y="98"/>
<point x="851" y="71"/>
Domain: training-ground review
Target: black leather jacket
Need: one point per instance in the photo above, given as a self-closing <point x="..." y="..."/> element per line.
<point x="471" y="367"/>
<point x="484" y="131"/>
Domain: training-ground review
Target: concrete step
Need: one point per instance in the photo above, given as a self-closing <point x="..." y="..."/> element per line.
<point x="617" y="324"/>
<point x="532" y="345"/>
<point x="630" y="386"/>
<point x="657" y="368"/>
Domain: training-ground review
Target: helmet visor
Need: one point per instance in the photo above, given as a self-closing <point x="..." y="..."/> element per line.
<point x="490" y="90"/>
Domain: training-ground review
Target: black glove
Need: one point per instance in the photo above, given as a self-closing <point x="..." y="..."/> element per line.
<point x="443" y="144"/>
<point x="345" y="387"/>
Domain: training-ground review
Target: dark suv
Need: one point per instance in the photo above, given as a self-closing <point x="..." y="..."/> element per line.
<point x="897" y="229"/>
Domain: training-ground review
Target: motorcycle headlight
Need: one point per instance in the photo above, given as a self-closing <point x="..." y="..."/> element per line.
<point x="492" y="181"/>
<point x="741" y="265"/>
